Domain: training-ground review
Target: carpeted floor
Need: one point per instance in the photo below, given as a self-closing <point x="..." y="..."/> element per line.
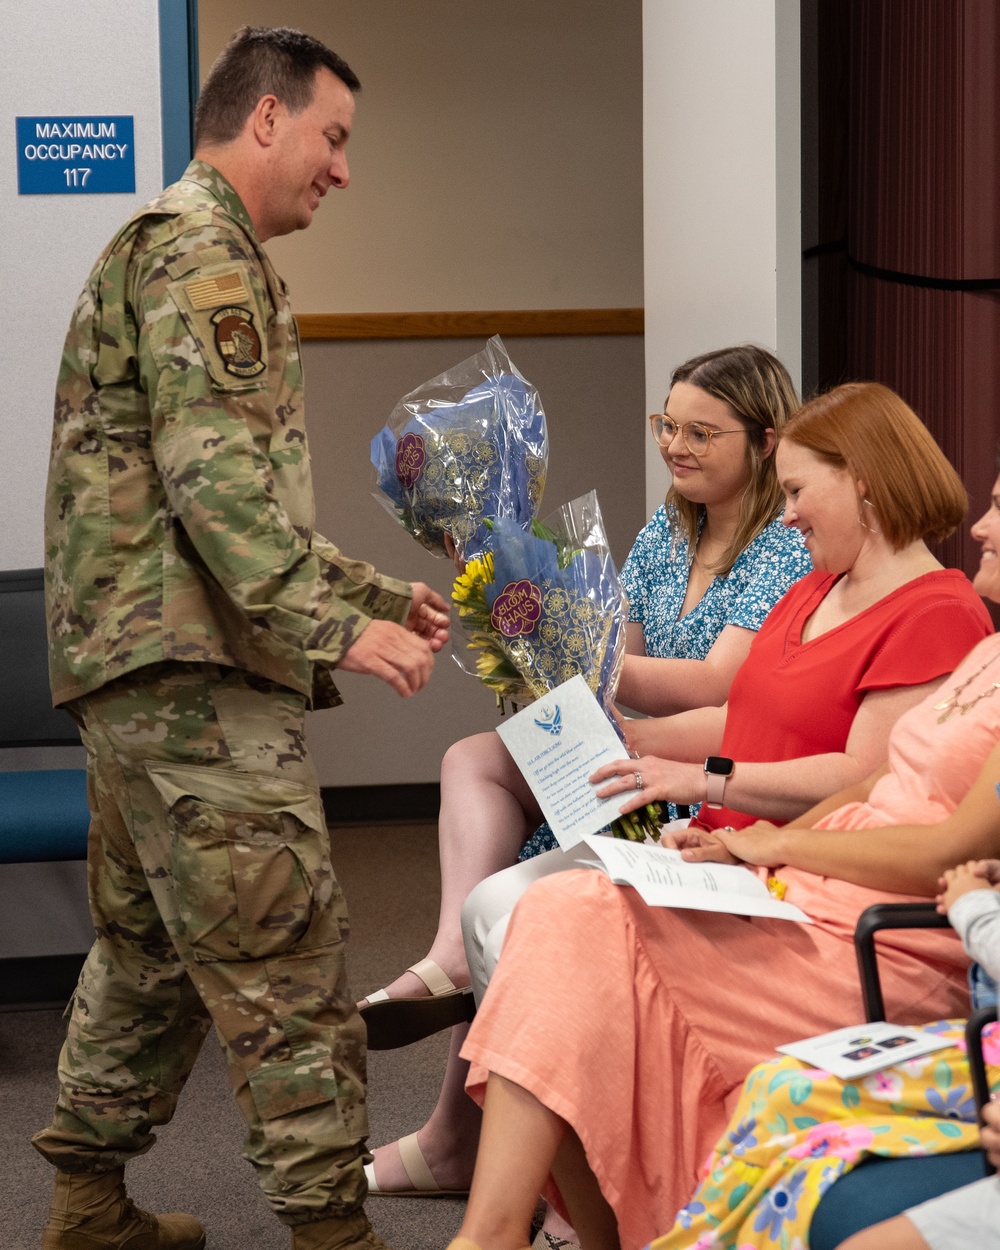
<point x="390" y="877"/>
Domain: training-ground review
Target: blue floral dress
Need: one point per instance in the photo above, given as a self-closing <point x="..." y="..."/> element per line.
<point x="655" y="578"/>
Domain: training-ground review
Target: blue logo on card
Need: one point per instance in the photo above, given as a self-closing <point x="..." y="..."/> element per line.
<point x="75" y="155"/>
<point x="552" y="720"/>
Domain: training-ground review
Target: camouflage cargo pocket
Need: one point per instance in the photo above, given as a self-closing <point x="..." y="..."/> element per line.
<point x="251" y="863"/>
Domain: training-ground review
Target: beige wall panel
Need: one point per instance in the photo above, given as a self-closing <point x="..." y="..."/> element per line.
<point x="496" y="160"/>
<point x="723" y="240"/>
<point x="592" y="389"/>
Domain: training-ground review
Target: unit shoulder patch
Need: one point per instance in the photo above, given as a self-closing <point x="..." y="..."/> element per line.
<point x="237" y="341"/>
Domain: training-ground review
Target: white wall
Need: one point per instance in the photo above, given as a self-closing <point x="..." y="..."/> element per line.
<point x="59" y="58"/>
<point x="722" y="234"/>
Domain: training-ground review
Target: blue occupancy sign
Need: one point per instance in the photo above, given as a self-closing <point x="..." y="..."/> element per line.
<point x="75" y="155"/>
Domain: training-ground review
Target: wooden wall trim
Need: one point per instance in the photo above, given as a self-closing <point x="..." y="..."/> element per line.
<point x="459" y="325"/>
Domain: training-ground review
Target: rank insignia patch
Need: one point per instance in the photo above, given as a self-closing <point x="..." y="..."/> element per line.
<point x="238" y="342"/>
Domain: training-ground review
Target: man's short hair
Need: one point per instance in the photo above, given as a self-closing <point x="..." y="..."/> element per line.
<point x="260" y="61"/>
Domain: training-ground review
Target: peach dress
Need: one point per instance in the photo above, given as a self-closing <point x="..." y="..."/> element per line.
<point x="638" y="1025"/>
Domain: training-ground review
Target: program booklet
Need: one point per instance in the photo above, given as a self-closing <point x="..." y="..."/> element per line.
<point x="864" y="1048"/>
<point x="557" y="743"/>
<point x="663" y="879"/>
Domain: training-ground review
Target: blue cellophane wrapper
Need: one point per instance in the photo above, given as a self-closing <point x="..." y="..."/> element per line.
<point x="554" y="622"/>
<point x="468" y="445"/>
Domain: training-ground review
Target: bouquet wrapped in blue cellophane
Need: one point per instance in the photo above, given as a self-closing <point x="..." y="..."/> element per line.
<point x="468" y="445"/>
<point x="543" y="605"/>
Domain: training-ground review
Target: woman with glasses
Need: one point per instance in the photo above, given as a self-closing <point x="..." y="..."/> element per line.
<point x="701" y="578"/>
<point x="614" y="1036"/>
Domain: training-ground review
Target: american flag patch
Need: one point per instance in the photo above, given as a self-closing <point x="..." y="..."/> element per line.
<point x="211" y="292"/>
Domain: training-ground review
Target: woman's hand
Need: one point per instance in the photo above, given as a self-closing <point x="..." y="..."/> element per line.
<point x="758" y="845"/>
<point x="975" y="874"/>
<point x="698" y="846"/>
<point x="640" y="735"/>
<point x="989" y="870"/>
<point x="649" y="779"/>
<point x="452" y="550"/>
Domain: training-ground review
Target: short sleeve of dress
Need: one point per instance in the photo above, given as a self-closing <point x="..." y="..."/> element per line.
<point x="773" y="562"/>
<point x="927" y="641"/>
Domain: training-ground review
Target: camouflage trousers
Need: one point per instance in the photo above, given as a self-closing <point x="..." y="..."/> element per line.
<point x="214" y="902"/>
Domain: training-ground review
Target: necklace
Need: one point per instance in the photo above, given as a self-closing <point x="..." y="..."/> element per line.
<point x="947" y="706"/>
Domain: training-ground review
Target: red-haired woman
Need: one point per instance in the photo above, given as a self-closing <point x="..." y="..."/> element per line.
<point x="613" y="1035"/>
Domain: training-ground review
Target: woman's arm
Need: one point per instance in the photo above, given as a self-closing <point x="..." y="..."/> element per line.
<point x="852" y="794"/>
<point x="635" y="639"/>
<point x="687" y="736"/>
<point x="904" y="859"/>
<point x="782" y="790"/>
<point x="660" y="687"/>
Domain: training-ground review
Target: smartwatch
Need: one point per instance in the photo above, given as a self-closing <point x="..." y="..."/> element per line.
<point x="718" y="770"/>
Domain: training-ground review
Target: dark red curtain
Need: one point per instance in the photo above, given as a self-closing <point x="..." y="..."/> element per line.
<point x="921" y="301"/>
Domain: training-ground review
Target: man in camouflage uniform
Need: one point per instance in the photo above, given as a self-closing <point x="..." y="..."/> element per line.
<point x="194" y="614"/>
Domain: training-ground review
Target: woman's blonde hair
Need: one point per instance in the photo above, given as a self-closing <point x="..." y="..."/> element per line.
<point x="758" y="389"/>
<point x="865" y="428"/>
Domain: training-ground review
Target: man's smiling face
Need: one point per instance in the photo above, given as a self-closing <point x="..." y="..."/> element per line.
<point x="309" y="156"/>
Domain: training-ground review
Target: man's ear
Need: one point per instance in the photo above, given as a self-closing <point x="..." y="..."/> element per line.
<point x="263" y="120"/>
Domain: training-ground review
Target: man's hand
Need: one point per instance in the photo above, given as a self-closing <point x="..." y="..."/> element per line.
<point x="428" y="616"/>
<point x="393" y="655"/>
<point x="975" y="874"/>
<point x="989" y="1134"/>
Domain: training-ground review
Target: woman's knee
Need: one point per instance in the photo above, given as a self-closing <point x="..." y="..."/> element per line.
<point x="487" y="902"/>
<point x="481" y="757"/>
<point x="579" y="897"/>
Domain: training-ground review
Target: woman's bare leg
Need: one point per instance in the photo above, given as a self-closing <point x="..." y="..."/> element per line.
<point x="594" y="1225"/>
<point x="449" y="1139"/>
<point x="487" y="812"/>
<point x="554" y="1224"/>
<point x="522" y="1142"/>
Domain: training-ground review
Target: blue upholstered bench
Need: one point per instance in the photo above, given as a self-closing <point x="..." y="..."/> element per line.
<point x="43" y="816"/>
<point x="43" y="813"/>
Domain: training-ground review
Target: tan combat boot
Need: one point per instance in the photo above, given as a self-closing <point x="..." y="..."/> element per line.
<point x="91" y="1211"/>
<point x="350" y="1233"/>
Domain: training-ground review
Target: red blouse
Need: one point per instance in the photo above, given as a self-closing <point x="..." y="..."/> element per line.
<point x="792" y="698"/>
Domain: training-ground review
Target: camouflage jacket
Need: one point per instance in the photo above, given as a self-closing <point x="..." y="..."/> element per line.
<point x="179" y="512"/>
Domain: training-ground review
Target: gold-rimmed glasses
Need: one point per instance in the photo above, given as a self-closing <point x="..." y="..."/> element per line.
<point x="697" y="438"/>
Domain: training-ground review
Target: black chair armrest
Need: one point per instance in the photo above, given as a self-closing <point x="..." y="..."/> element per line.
<point x="887" y="916"/>
<point x="977" y="1067"/>
<point x="917" y="916"/>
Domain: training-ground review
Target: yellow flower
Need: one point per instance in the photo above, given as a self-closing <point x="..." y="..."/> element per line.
<point x="478" y="572"/>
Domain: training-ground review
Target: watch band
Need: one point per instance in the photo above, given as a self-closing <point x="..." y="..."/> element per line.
<point x="716" y="789"/>
<point x="718" y="770"/>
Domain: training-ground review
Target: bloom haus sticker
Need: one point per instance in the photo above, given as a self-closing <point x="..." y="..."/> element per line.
<point x="517" y="608"/>
<point x="410" y="460"/>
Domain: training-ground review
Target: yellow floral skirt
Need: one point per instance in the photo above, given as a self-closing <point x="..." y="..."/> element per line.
<point x="797" y="1129"/>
